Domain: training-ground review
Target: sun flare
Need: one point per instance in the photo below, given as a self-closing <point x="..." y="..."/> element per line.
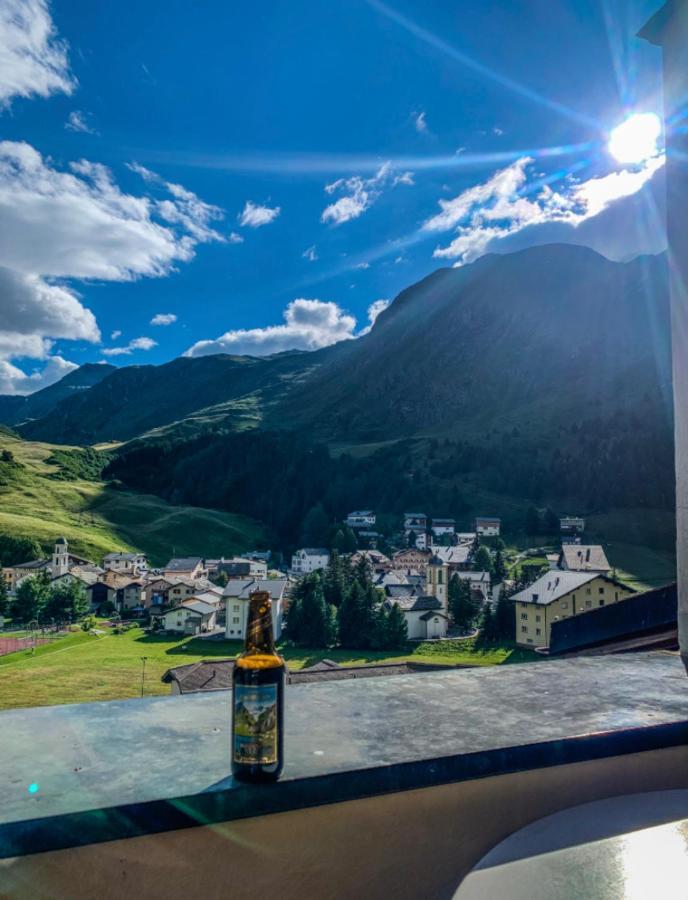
<point x="635" y="139"/>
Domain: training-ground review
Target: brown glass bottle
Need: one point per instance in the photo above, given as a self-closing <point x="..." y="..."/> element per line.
<point x="258" y="698"/>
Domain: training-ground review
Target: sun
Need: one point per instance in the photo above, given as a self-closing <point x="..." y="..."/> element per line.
<point x="635" y="139"/>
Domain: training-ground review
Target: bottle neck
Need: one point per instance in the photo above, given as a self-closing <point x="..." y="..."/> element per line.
<point x="259" y="635"/>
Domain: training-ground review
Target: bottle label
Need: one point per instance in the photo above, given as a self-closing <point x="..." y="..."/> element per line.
<point x="255" y="724"/>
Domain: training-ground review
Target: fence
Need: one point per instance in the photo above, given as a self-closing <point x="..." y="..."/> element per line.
<point x="26" y="640"/>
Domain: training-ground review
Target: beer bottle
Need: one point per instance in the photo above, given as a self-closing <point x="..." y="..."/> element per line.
<point x="258" y="698"/>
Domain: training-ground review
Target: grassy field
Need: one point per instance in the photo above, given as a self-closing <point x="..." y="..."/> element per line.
<point x="96" y="518"/>
<point x="81" y="668"/>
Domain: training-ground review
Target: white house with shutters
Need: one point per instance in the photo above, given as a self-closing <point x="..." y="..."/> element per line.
<point x="309" y="559"/>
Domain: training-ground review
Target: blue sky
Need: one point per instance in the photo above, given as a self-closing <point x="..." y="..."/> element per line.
<point x="262" y="176"/>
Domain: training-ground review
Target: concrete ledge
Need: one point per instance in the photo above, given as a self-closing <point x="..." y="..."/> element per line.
<point x="105" y="771"/>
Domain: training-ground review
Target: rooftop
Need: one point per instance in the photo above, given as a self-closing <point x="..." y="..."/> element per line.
<point x="585" y="557"/>
<point x="555" y="584"/>
<point x="183" y="564"/>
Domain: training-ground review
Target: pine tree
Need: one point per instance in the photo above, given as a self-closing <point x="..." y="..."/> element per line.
<point x="352" y="618"/>
<point x="316" y="528"/>
<point x="482" y="561"/>
<point x="315" y="618"/>
<point x="462" y="605"/>
<point x="504" y="618"/>
<point x="500" y="570"/>
<point x="397" y="629"/>
<point x="487" y="625"/>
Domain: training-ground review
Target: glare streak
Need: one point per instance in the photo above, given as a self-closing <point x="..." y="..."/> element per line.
<point x="336" y="163"/>
<point x="458" y="56"/>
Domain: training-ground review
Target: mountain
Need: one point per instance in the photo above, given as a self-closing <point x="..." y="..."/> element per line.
<point x="135" y="399"/>
<point x="533" y="340"/>
<point x="538" y="377"/>
<point x="15" y="410"/>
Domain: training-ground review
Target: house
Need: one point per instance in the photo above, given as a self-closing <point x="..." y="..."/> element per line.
<point x="572" y="525"/>
<point x="185" y="567"/>
<point x="416" y="524"/>
<point x="361" y="519"/>
<point x="122" y="591"/>
<point x="158" y="591"/>
<point x="480" y="582"/>
<point x="238" y="567"/>
<point x="378" y="561"/>
<point x="583" y="558"/>
<point x="14" y="575"/>
<point x="394" y="576"/>
<point x="425" y="617"/>
<point x="190" y="617"/>
<point x="487" y="526"/>
<point x="457" y="558"/>
<point x="126" y="563"/>
<point x="61" y="562"/>
<point x="309" y="559"/>
<point x="558" y="595"/>
<point x="466" y="537"/>
<point x="444" y="563"/>
<point x="412" y="558"/>
<point x="443" y="526"/>
<point x="236" y="596"/>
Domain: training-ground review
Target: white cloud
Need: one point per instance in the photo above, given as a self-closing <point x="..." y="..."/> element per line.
<point x="308" y="325"/>
<point x="163" y="319"/>
<point x="498" y="131"/>
<point x="186" y="209"/>
<point x="420" y="122"/>
<point x="404" y="178"/>
<point x="254" y="215"/>
<point x="374" y="311"/>
<point x="508" y="202"/>
<point x="31" y="306"/>
<point x="234" y="238"/>
<point x="115" y="334"/>
<point x="33" y="60"/>
<point x="79" y="224"/>
<point x="311" y="254"/>
<point x="140" y="343"/>
<point x="15" y="381"/>
<point x="78" y="121"/>
<point x="359" y="194"/>
<point x="362" y="265"/>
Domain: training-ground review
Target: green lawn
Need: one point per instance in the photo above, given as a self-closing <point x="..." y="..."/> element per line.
<point x="96" y="518"/>
<point x="81" y="668"/>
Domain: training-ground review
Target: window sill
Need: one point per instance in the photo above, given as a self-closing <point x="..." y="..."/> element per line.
<point x="113" y="770"/>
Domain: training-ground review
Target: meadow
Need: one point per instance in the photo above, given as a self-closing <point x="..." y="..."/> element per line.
<point x="82" y="668"/>
<point x="36" y="501"/>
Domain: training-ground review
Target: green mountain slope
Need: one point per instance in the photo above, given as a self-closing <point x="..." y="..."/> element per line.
<point x="538" y="377"/>
<point x="37" y="501"/>
<point x="136" y="399"/>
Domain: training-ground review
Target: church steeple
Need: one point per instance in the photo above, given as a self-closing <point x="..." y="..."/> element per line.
<point x="60" y="557"/>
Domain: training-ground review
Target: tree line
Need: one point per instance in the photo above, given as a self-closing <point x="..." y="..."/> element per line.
<point x="38" y="599"/>
<point x="341" y="606"/>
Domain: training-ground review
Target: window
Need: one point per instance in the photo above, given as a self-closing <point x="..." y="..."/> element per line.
<point x="524" y="615"/>
<point x="601" y="590"/>
<point x="616" y="595"/>
<point x="536" y="597"/>
<point x="588" y="590"/>
<point x="601" y="601"/>
<point x="524" y="628"/>
<point x="236" y="620"/>
<point x="538" y="618"/>
<point x="523" y="605"/>
<point x="538" y="631"/>
<point x="235" y="608"/>
<point x="588" y="603"/>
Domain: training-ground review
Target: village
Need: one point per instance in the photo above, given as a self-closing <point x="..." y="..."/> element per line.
<point x="438" y="584"/>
